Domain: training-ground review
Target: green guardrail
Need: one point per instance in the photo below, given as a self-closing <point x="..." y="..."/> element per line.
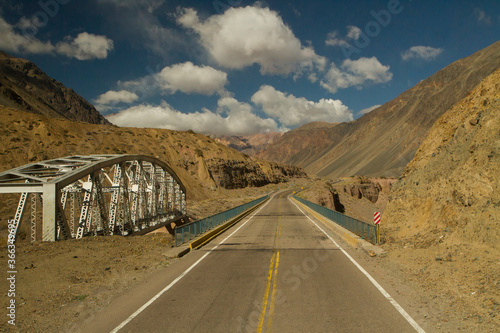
<point x="365" y="230"/>
<point x="186" y="232"/>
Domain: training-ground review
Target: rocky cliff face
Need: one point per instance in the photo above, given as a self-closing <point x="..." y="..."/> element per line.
<point x="383" y="141"/>
<point x="364" y="189"/>
<point x="441" y="223"/>
<point x="358" y="197"/>
<point x="26" y="87"/>
<point x="239" y="174"/>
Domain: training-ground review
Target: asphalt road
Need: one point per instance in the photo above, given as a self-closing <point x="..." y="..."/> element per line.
<point x="276" y="272"/>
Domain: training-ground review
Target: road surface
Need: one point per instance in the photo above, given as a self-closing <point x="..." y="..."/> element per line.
<point x="275" y="271"/>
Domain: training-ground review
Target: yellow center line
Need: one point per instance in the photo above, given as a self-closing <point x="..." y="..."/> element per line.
<point x="273" y="268"/>
<point x="266" y="294"/>
<point x="273" y="295"/>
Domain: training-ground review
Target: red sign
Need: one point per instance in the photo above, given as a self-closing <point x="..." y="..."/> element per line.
<point x="376" y="217"/>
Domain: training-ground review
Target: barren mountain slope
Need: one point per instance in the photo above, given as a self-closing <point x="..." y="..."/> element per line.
<point x="26" y="87"/>
<point x="302" y="144"/>
<point x="250" y="144"/>
<point x="383" y="141"/>
<point x="442" y="223"/>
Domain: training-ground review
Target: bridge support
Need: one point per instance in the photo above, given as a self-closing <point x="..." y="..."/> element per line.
<point x="49" y="198"/>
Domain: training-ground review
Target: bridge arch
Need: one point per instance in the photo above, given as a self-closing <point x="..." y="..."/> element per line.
<point x="95" y="194"/>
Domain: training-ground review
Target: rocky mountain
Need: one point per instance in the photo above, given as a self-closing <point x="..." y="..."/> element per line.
<point x="443" y="215"/>
<point x="250" y="144"/>
<point x="302" y="144"/>
<point x="26" y="87"/>
<point x="383" y="141"/>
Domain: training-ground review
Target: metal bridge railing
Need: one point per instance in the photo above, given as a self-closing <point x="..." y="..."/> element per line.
<point x="189" y="231"/>
<point x="365" y="230"/>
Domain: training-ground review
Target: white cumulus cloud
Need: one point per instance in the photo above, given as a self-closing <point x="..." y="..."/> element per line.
<point x="114" y="97"/>
<point x="421" y="52"/>
<point x="355" y="73"/>
<point x="86" y="46"/>
<point x="189" y="78"/>
<point x="241" y="37"/>
<point x="231" y="118"/>
<point x="294" y="111"/>
<point x="12" y="41"/>
<point x="185" y="77"/>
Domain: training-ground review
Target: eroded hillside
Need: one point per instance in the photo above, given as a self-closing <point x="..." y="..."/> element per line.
<point x="441" y="224"/>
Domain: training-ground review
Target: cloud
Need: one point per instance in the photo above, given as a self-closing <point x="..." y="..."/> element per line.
<point x="241" y="37"/>
<point x="481" y="16"/>
<point x="294" y="111"/>
<point x="355" y="73"/>
<point x="333" y="40"/>
<point x="11" y="41"/>
<point x="84" y="47"/>
<point x="421" y="52"/>
<point x="368" y="110"/>
<point x="189" y="78"/>
<point x="114" y="97"/>
<point x="353" y="32"/>
<point x="232" y="118"/>
<point x="185" y="77"/>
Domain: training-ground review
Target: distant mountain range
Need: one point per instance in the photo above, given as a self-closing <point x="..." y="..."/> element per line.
<point x="26" y="87"/>
<point x="383" y="141"/>
<point x="250" y="144"/>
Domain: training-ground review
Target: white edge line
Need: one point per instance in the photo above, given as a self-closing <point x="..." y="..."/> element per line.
<point x="398" y="307"/>
<point x="142" y="308"/>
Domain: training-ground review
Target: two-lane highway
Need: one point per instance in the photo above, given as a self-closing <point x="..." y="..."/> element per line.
<point x="275" y="271"/>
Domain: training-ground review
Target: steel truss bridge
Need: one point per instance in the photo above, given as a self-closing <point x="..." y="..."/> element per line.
<point x="77" y="196"/>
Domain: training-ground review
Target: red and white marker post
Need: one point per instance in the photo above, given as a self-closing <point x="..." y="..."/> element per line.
<point x="376" y="220"/>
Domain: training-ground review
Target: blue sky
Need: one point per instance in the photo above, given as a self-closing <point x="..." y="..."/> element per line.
<point x="242" y="67"/>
